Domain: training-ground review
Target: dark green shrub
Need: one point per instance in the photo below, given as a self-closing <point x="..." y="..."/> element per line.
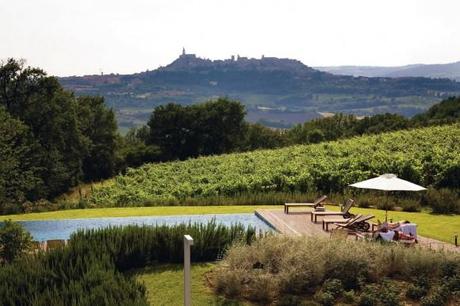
<point x="325" y="298"/>
<point x="289" y="300"/>
<point x="415" y="292"/>
<point x="385" y="294"/>
<point x="410" y="205"/>
<point x="349" y="296"/>
<point x="136" y="246"/>
<point x="15" y="241"/>
<point x="309" y="303"/>
<point x="442" y="201"/>
<point x="453" y="283"/>
<point x="349" y="271"/>
<point x="438" y="297"/>
<point x="384" y="205"/>
<point x="369" y="296"/>
<point x="334" y="287"/>
<point x="389" y="294"/>
<point x="450" y="268"/>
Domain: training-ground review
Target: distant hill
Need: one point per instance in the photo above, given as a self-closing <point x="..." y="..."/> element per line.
<point x="449" y="71"/>
<point x="277" y="92"/>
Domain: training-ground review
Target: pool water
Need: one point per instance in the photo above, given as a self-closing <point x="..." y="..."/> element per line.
<point x="62" y="229"/>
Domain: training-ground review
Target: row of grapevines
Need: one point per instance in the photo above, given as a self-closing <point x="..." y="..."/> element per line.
<point x="428" y="156"/>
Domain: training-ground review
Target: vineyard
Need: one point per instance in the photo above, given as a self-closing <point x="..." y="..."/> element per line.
<point x="428" y="156"/>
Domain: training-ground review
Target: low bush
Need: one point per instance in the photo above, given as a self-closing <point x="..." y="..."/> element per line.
<point x="305" y="266"/>
<point x="15" y="241"/>
<point x="325" y="298"/>
<point x="334" y="287"/>
<point x="349" y="296"/>
<point x="136" y="246"/>
<point x="416" y="292"/>
<point x="289" y="300"/>
<point x="442" y="201"/>
<point x="410" y="205"/>
<point x="369" y="296"/>
<point x="438" y="297"/>
<point x="89" y="271"/>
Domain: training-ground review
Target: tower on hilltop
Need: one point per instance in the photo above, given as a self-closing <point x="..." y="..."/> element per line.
<point x="183" y="51"/>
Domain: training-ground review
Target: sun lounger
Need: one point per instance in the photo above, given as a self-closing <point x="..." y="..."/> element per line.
<point x="344" y="212"/>
<point x="340" y="220"/>
<point x="317" y="203"/>
<point x="358" y="223"/>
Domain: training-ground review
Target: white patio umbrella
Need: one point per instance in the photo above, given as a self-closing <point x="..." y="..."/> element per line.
<point x="388" y="182"/>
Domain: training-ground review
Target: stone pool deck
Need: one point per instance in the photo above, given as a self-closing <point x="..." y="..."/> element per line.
<point x="298" y="223"/>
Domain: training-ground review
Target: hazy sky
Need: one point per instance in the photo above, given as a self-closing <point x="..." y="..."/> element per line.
<point x="86" y="36"/>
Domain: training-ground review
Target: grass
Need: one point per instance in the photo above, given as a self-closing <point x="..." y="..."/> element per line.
<point x="165" y="285"/>
<point x="136" y="211"/>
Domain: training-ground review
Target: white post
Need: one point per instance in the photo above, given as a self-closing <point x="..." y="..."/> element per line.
<point x="188" y="241"/>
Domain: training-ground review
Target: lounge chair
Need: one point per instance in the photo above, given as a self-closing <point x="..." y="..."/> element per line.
<point x="315" y="204"/>
<point x="359" y="223"/>
<point x="344" y="213"/>
<point x="340" y="220"/>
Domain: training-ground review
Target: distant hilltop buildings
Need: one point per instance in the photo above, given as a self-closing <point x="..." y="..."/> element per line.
<point x="232" y="58"/>
<point x="189" y="60"/>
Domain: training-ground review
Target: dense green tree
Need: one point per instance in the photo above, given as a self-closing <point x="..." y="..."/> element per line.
<point x="19" y="176"/>
<point x="99" y="130"/>
<point x="134" y="151"/>
<point x="15" y="241"/>
<point x="444" y="112"/>
<point x="50" y="139"/>
<point x="380" y="124"/>
<point x="323" y="129"/>
<point x="39" y="101"/>
<point x="258" y="136"/>
<point x="213" y="127"/>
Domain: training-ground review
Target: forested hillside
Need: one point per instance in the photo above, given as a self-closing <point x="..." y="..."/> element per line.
<point x="427" y="156"/>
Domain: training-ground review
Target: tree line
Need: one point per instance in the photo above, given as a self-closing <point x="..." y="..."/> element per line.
<point x="52" y="139"/>
<point x="216" y="127"/>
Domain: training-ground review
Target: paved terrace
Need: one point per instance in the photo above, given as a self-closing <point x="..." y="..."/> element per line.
<point x="298" y="223"/>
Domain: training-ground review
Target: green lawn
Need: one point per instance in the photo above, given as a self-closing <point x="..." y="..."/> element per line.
<point x="165" y="285"/>
<point x="135" y="211"/>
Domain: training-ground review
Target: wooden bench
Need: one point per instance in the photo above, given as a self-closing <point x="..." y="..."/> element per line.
<point x="314" y="205"/>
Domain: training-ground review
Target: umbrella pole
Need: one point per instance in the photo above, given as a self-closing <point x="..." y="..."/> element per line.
<point x="386" y="207"/>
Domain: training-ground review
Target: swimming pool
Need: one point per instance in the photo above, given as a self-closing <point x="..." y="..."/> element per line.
<point x="62" y="229"/>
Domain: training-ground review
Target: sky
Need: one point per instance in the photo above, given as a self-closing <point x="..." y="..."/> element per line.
<point x="80" y="37"/>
